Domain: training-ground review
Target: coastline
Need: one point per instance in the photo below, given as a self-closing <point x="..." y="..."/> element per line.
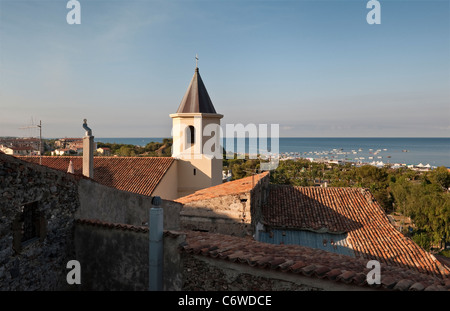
<point x="393" y="151"/>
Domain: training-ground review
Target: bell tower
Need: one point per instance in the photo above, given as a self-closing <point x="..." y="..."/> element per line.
<point x="196" y="139"/>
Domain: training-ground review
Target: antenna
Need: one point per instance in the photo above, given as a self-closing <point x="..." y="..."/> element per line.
<point x="40" y="136"/>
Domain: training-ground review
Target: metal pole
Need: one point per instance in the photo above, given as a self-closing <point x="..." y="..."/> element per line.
<point x="40" y="142"/>
<point x="156" y="224"/>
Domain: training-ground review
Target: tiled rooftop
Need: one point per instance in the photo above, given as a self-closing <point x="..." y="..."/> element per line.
<point x="133" y="174"/>
<point x="351" y="210"/>
<point x="242" y="185"/>
<point x="307" y="261"/>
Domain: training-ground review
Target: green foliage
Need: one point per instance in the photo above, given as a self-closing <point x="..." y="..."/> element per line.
<point x="441" y="176"/>
<point x="241" y="168"/>
<point x="445" y="252"/>
<point x="152" y="149"/>
<point x="427" y="205"/>
<point x="423" y="240"/>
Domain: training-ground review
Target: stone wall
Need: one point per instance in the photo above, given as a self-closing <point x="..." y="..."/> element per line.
<point x="39" y="263"/>
<point x="38" y="207"/>
<point x="228" y="214"/>
<point x="202" y="273"/>
<point x="115" y="257"/>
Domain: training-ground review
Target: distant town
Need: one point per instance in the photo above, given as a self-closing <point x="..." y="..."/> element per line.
<point x="30" y="146"/>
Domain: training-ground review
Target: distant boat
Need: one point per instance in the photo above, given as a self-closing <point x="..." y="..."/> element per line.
<point x="405" y="150"/>
<point x="388" y="156"/>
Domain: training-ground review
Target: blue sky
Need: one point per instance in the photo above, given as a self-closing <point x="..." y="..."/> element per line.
<point x="316" y="68"/>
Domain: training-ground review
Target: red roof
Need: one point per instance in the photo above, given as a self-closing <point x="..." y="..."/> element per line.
<point x="232" y="187"/>
<point x="351" y="210"/>
<point x="134" y="174"/>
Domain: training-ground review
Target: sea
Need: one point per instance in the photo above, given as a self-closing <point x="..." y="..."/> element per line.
<point x="432" y="152"/>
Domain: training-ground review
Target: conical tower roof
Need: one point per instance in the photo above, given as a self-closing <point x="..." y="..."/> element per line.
<point x="196" y="98"/>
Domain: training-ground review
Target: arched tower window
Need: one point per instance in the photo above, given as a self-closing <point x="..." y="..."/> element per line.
<point x="190" y="135"/>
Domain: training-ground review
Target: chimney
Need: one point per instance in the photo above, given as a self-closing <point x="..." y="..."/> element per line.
<point x="88" y="152"/>
<point x="70" y="168"/>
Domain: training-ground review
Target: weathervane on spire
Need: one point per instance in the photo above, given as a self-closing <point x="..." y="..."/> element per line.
<point x="196" y="60"/>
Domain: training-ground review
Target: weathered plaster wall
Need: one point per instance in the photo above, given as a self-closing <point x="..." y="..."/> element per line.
<point x="111" y="205"/>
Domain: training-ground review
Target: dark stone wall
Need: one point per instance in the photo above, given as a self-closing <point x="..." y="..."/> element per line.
<point x="206" y="274"/>
<point x="39" y="263"/>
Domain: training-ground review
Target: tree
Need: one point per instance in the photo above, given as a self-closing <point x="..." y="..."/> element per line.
<point x="441" y="176"/>
<point x="126" y="151"/>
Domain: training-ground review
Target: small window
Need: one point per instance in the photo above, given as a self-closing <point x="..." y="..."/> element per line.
<point x="29" y="226"/>
<point x="195" y="171"/>
<point x="30" y="222"/>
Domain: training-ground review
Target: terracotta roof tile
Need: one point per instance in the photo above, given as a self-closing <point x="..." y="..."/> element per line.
<point x="133" y="174"/>
<point x="108" y="225"/>
<point x="417" y="287"/>
<point x="296" y="259"/>
<point x="403" y="284"/>
<point x="242" y="185"/>
<point x="333" y="274"/>
<point x="351" y="210"/>
<point x="388" y="282"/>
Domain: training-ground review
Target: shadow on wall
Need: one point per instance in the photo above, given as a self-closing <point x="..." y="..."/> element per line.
<point x="193" y="178"/>
<point x="227" y="215"/>
<point x="116" y="257"/>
